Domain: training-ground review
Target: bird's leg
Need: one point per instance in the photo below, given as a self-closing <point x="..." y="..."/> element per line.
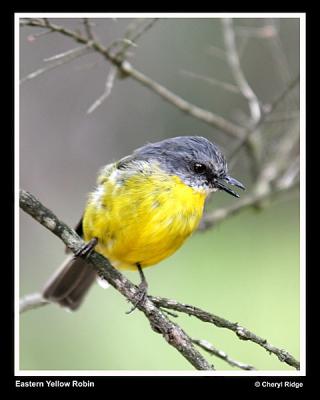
<point x="87" y="249"/>
<point x="142" y="290"/>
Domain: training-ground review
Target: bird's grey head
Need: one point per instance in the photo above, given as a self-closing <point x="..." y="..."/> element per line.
<point x="197" y="161"/>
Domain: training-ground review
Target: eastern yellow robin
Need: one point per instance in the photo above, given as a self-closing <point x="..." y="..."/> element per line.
<point x="142" y="209"/>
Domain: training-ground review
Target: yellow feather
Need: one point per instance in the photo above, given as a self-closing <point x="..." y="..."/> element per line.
<point x="141" y="215"/>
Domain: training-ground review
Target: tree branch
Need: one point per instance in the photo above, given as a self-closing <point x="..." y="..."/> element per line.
<point x="239" y="77"/>
<point x="127" y="69"/>
<point x="240" y="331"/>
<point x="172" y="332"/>
<point x="60" y="59"/>
<point x="88" y="29"/>
<point x="132" y="35"/>
<point x="107" y="90"/>
<point x="225" y="85"/>
<point x="209" y="348"/>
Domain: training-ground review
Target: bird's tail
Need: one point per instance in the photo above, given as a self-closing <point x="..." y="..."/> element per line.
<point x="71" y="282"/>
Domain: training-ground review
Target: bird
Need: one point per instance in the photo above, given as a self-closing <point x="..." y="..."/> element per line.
<point x="141" y="211"/>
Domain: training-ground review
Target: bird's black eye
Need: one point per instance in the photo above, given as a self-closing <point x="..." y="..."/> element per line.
<point x="199" y="168"/>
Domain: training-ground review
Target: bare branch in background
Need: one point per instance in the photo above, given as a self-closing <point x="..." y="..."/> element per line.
<point x="196" y="112"/>
<point x="134" y="32"/>
<point x="78" y="50"/>
<point x="225" y="85"/>
<point x="127" y="69"/>
<point x="239" y="77"/>
<point x="88" y="29"/>
<point x="62" y="58"/>
<point x="108" y="87"/>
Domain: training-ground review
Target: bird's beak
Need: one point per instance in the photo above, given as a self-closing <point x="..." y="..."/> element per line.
<point x="221" y="184"/>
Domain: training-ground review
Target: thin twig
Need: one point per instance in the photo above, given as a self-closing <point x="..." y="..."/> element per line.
<point x="209" y="348"/>
<point x="76" y="50"/>
<point x="239" y="77"/>
<point x="133" y="35"/>
<point x="62" y="59"/>
<point x="121" y="42"/>
<point x="240" y="331"/>
<point x="108" y="88"/>
<point x="88" y="29"/>
<point x="225" y="85"/>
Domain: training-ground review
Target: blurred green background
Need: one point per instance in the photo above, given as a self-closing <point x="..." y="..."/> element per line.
<point x="246" y="269"/>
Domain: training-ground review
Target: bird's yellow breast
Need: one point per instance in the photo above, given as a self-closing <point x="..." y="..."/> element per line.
<point x="141" y="216"/>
